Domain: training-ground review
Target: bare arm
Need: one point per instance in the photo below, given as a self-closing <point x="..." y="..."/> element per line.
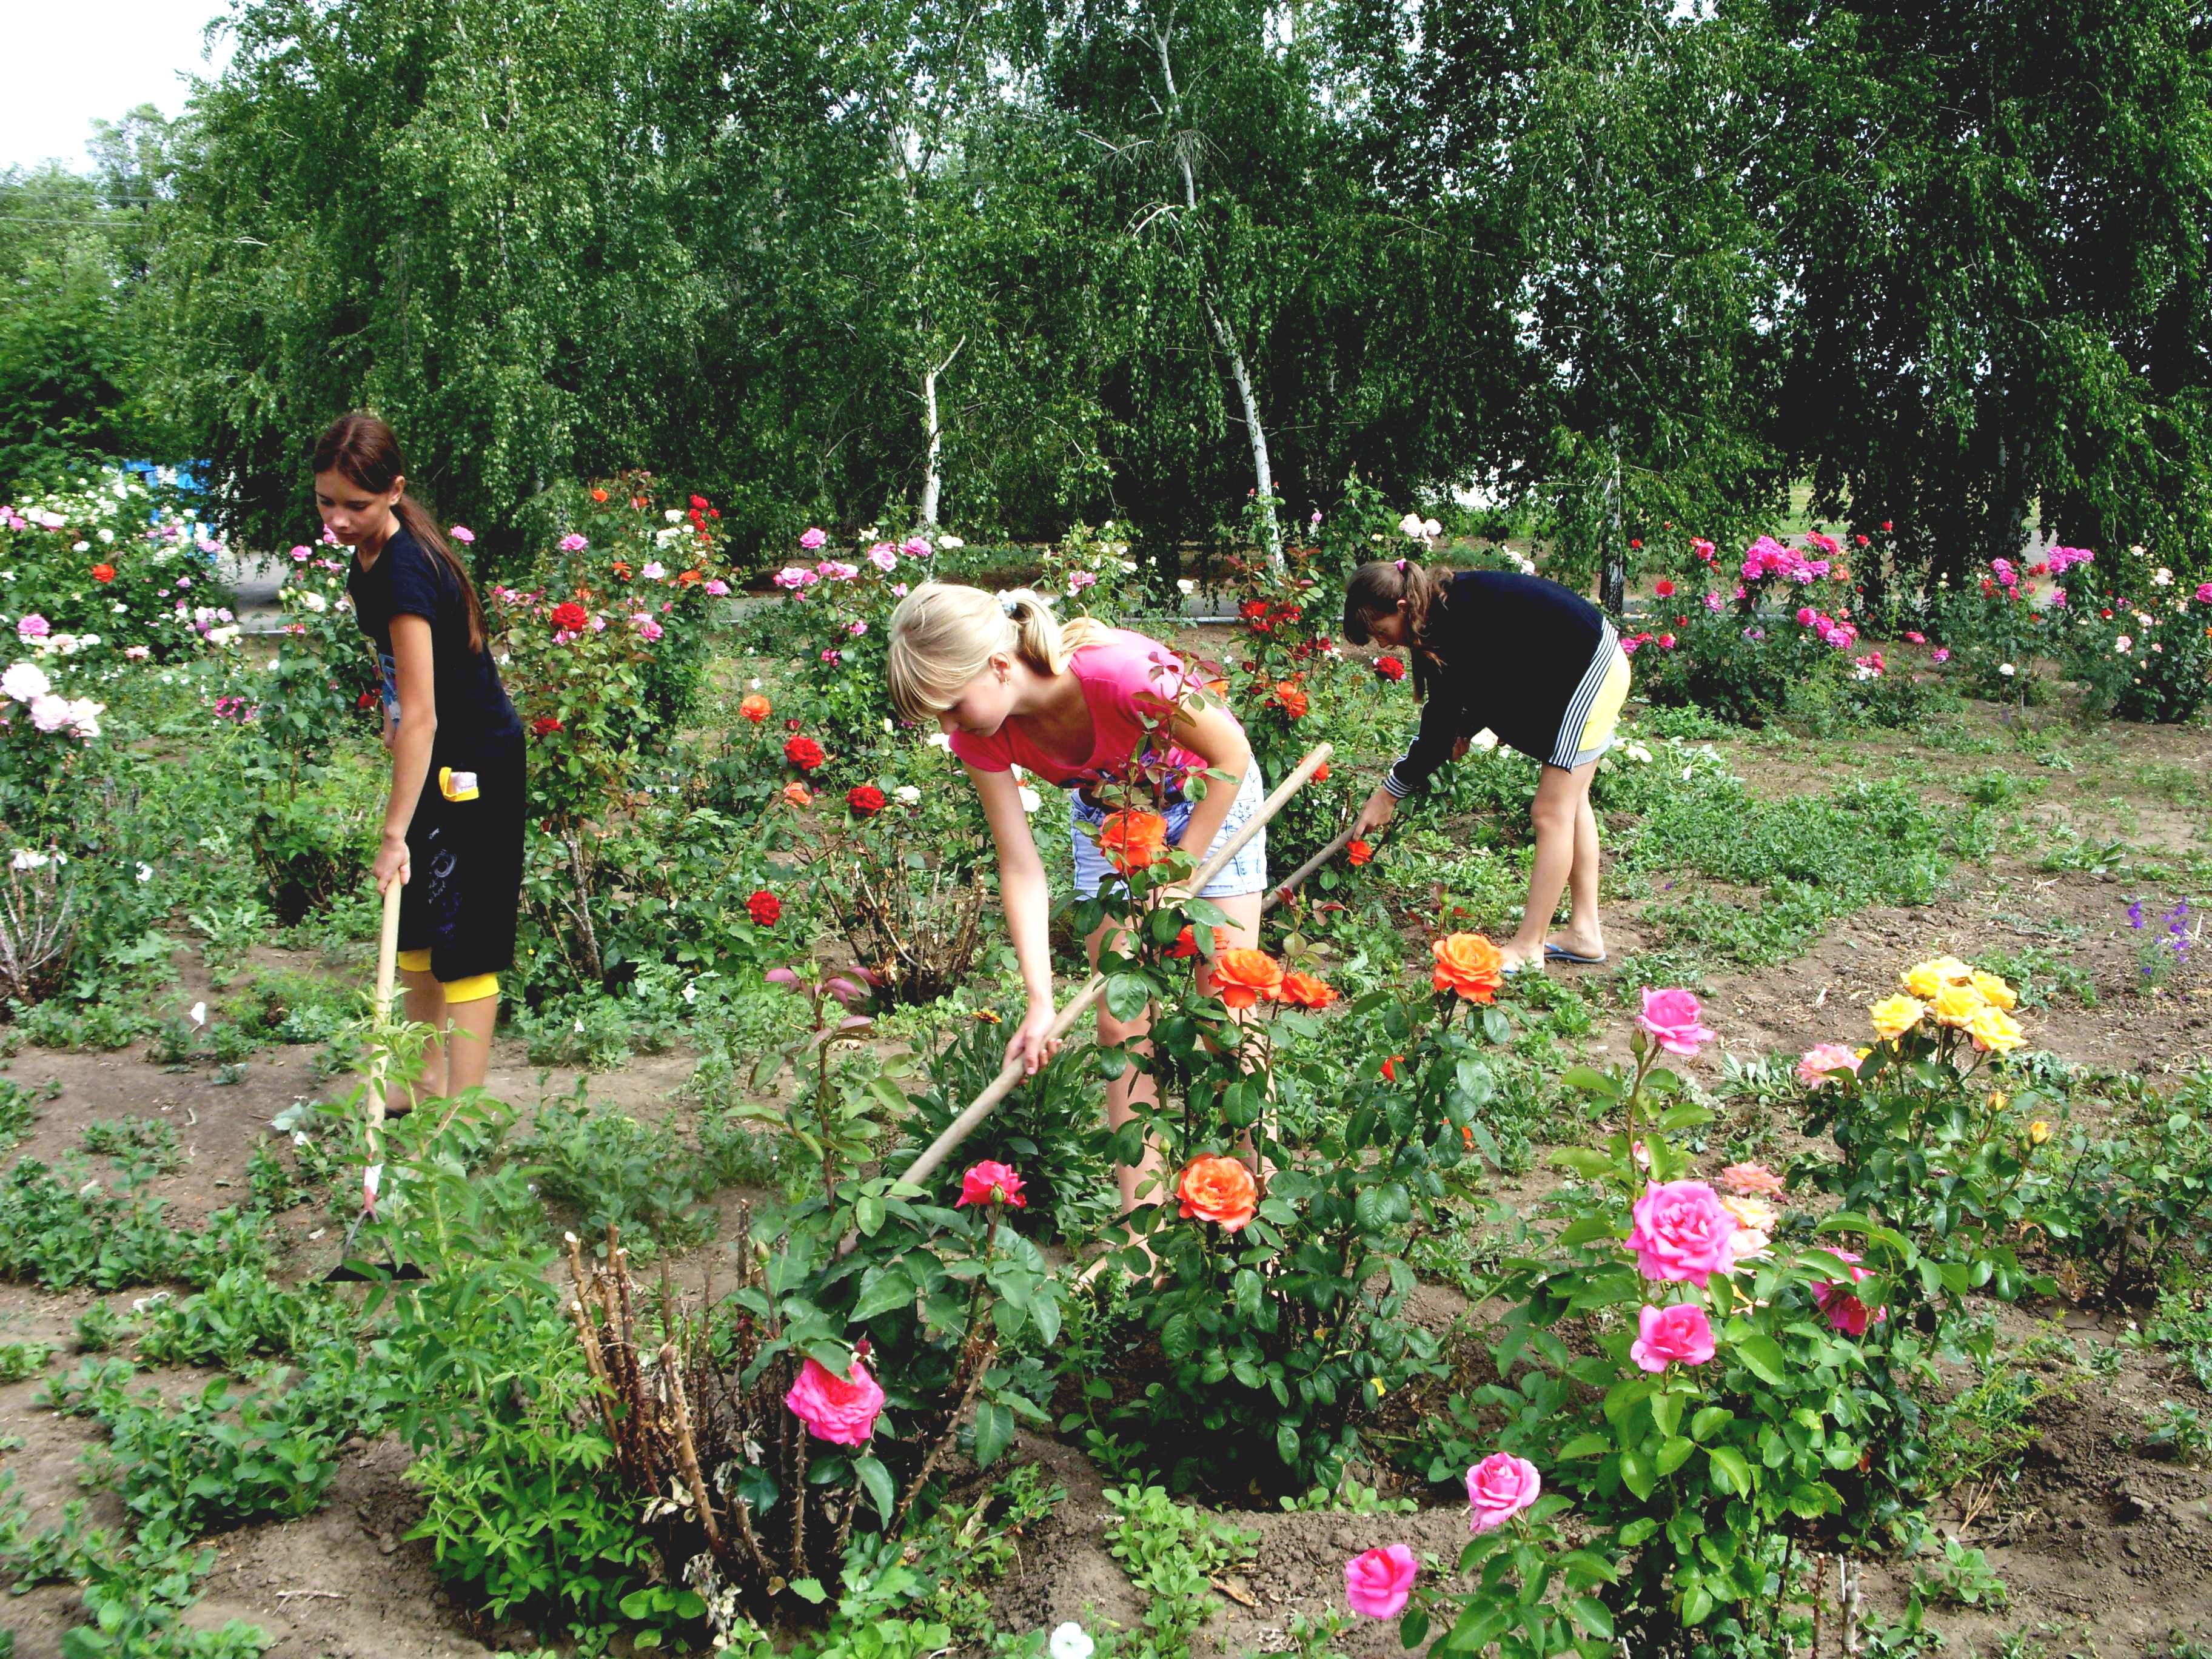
<point x="1028" y="911"/>
<point x="1214" y="734"/>
<point x="410" y="746"/>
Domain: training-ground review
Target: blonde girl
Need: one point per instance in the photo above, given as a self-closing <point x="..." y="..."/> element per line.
<point x="1084" y="707"/>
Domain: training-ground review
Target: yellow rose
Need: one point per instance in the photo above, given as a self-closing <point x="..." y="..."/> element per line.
<point x="1954" y="971"/>
<point x="1923" y="979"/>
<point x="1996" y="1030"/>
<point x="2039" y="1132"/>
<point x="1957" y="1004"/>
<point x="1894" y="1016"/>
<point x="1997" y="1102"/>
<point x="1995" y="991"/>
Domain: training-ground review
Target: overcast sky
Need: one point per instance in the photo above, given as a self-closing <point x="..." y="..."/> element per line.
<point x="72" y="61"/>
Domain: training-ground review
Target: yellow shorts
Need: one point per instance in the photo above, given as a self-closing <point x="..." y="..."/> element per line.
<point x="1587" y="732"/>
<point x="475" y="989"/>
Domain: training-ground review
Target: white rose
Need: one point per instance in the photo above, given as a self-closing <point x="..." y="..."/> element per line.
<point x="2162" y="577"/>
<point x="1069" y="1642"/>
<point x="26" y="859"/>
<point x="1186" y="584"/>
<point x="1430" y="528"/>
<point x="1030" y="799"/>
<point x="674" y="514"/>
<point x="145" y="872"/>
<point x="107" y="536"/>
<point x="907" y="794"/>
<point x="2007" y="670"/>
<point x="952" y="542"/>
<point x="2122" y="644"/>
<point x="25" y="682"/>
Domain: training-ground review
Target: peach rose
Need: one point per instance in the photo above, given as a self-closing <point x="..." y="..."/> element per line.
<point x="756" y="708"/>
<point x="1217" y="1189"/>
<point x="1133" y="840"/>
<point x="1467" y="965"/>
<point x="1242" y="977"/>
<point x="1304" y="990"/>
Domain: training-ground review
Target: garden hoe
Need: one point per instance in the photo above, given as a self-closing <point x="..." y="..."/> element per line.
<point x="380" y="1066"/>
<point x="958" y="1130"/>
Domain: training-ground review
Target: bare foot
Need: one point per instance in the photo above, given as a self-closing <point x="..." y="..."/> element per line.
<point x="1513" y="956"/>
<point x="1573" y="942"/>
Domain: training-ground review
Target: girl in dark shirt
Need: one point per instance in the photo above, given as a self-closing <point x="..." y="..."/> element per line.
<point x="1534" y="662"/>
<point x="453" y="828"/>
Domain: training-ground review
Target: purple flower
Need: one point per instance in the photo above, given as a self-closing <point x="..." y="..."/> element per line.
<point x="2135" y="913"/>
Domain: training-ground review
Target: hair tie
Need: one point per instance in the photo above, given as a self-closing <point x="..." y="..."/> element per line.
<point x="1011" y="607"/>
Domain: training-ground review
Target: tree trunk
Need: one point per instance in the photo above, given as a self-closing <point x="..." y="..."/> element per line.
<point x="1612" y="589"/>
<point x="932" y="479"/>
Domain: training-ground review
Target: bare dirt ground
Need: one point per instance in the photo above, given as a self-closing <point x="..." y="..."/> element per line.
<point x="2106" y="1551"/>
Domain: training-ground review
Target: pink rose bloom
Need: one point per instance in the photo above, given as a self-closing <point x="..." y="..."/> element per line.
<point x="1380" y="1582"/>
<point x="915" y="548"/>
<point x="856" y="628"/>
<point x="717" y="588"/>
<point x="463" y="534"/>
<point x="1822" y="1059"/>
<point x="898" y="589"/>
<point x="1670" y="1017"/>
<point x="1805" y="616"/>
<point x="991" y="1182"/>
<point x="1498" y="1488"/>
<point x="2204" y="593"/>
<point x="833" y="658"/>
<point x="572" y="542"/>
<point x="812" y="539"/>
<point x="33" y="627"/>
<point x="654" y="572"/>
<point x="647" y="629"/>
<point x="883" y="556"/>
<point x="1845" y="1311"/>
<point x="1838" y="637"/>
<point x="1702" y="548"/>
<point x="1916" y="638"/>
<point x="302" y="555"/>
<point x="138" y="653"/>
<point x="1942" y="654"/>
<point x="1714" y="602"/>
<point x="1680" y="1232"/>
<point x="1680" y="1334"/>
<point x="838" y="570"/>
<point x="842" y="1410"/>
<point x="1752" y="1180"/>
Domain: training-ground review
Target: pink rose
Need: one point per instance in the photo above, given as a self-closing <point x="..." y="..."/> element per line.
<point x="1805" y="616"/>
<point x="1380" y="1582"/>
<point x="1680" y="1334"/>
<point x="1942" y="655"/>
<point x="1813" y="1070"/>
<point x="839" y="1409"/>
<point x="1845" y="1311"/>
<point x="1680" y="1232"/>
<point x="1671" y="1018"/>
<point x="812" y="539"/>
<point x="717" y="586"/>
<point x="991" y="1182"/>
<point x="1917" y="638"/>
<point x="2204" y="593"/>
<point x="1498" y="1488"/>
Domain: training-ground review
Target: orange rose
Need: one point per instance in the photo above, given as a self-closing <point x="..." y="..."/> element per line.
<point x="756" y="708"/>
<point x="1320" y="773"/>
<point x="1217" y="1189"/>
<point x="1293" y="699"/>
<point x="1133" y="840"/>
<point x="1390" y="1068"/>
<point x="1304" y="990"/>
<point x="799" y="794"/>
<point x="1469" y="964"/>
<point x="685" y="578"/>
<point x="1358" y="852"/>
<point x="1242" y="977"/>
<point x="598" y="494"/>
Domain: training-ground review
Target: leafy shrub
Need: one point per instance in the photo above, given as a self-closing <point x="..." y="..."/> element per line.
<point x="618" y="1172"/>
<point x="2144" y="646"/>
<point x="157" y="565"/>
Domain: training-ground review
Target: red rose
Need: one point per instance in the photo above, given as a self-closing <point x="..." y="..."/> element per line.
<point x="1663" y="588"/>
<point x="1252" y="607"/>
<point x="1636" y="544"/>
<point x="765" y="908"/>
<point x="103" y="572"/>
<point x="546" y="726"/>
<point x="367" y="699"/>
<point x="1185" y="944"/>
<point x="699" y="503"/>
<point x="865" y="800"/>
<point x="1358" y="852"/>
<point x="804" y="753"/>
<point x="1885" y="524"/>
<point x="1390" y="668"/>
<point x="598" y="494"/>
<point x="570" y="618"/>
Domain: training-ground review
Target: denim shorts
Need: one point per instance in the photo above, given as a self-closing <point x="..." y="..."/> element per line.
<point x="1245" y="873"/>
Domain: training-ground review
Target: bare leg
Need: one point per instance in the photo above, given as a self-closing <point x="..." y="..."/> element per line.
<point x="1146" y="1182"/>
<point x="1583" y="934"/>
<point x="426" y="1005"/>
<point x="468" y="1042"/>
<point x="1562" y="800"/>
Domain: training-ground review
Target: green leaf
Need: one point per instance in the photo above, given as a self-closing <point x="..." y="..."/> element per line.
<point x="809" y="1589"/>
<point x="1672" y="1454"/>
<point x="1590" y="1080"/>
<point x="1708" y="1420"/>
<point x="1637" y="1475"/>
<point x="877" y="1480"/>
<point x="994" y="1432"/>
<point x="1583" y="1160"/>
<point x="1592" y="1615"/>
<point x="1126" y="995"/>
<point x="1762" y="1355"/>
<point x="1730" y="1471"/>
<point x="868" y="1215"/>
<point x="1584" y="1445"/>
<point x="1667" y="1414"/>
<point x="882" y="1290"/>
<point x="1286" y="1443"/>
<point x="1413" y="1628"/>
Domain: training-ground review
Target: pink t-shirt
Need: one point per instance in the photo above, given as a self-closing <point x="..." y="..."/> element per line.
<point x="1126" y="680"/>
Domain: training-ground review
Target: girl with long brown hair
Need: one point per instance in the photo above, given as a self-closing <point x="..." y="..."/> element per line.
<point x="453" y="824"/>
<point x="1534" y="662"/>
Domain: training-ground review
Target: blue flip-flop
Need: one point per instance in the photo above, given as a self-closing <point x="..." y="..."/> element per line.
<point x="1560" y="953"/>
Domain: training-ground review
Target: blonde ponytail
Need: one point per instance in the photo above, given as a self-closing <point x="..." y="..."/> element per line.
<point x="944" y="634"/>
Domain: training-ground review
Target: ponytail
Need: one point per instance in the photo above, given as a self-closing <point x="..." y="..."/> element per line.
<point x="364" y="449"/>
<point x="943" y="634"/>
<point x="1376" y="590"/>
